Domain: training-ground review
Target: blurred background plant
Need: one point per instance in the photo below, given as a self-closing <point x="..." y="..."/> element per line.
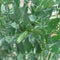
<point x="29" y="29"/>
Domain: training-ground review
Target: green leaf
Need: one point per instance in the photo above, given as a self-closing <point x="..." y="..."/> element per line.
<point x="52" y="25"/>
<point x="56" y="38"/>
<point x="21" y="48"/>
<point x="21" y="57"/>
<point x="27" y="45"/>
<point x="31" y="56"/>
<point x="32" y="17"/>
<point x="22" y="36"/>
<point x="57" y="1"/>
<point x="15" y="25"/>
<point x="8" y="39"/>
<point x="1" y="41"/>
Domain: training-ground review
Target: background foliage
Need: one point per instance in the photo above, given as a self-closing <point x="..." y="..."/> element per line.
<point x="34" y="36"/>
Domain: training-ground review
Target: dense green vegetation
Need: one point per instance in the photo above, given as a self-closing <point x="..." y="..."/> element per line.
<point x="29" y="29"/>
